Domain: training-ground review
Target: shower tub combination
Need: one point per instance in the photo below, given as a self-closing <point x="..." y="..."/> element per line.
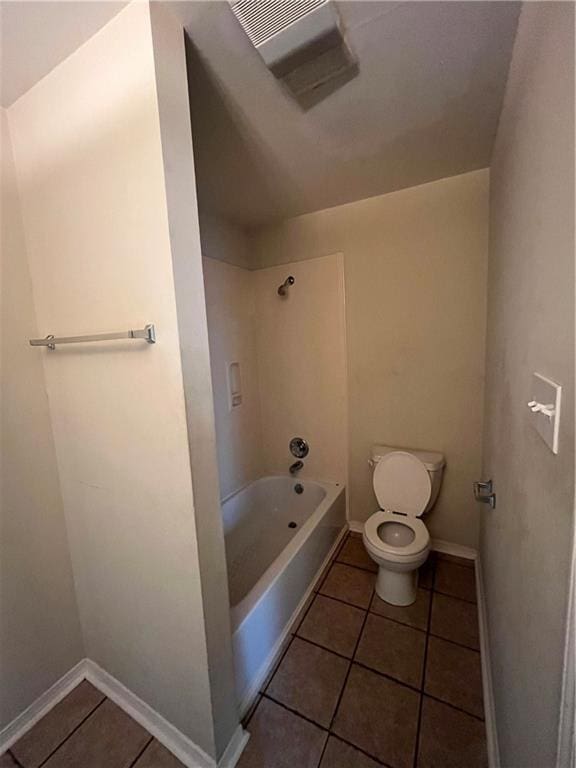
<point x="279" y="533"/>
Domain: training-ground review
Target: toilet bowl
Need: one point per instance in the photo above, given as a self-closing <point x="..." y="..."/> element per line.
<point x="406" y="484"/>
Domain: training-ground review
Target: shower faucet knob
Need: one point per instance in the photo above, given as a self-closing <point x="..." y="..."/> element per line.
<point x="299" y="447"/>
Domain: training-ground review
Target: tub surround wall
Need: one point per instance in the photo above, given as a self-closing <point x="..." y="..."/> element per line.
<point x="526" y="541"/>
<point x="292" y="355"/>
<point x="99" y="247"/>
<point x="302" y="364"/>
<point x="37" y="599"/>
<point x="232" y="327"/>
<point x="415" y="274"/>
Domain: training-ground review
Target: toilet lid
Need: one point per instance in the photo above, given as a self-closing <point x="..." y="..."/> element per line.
<point x="402" y="483"/>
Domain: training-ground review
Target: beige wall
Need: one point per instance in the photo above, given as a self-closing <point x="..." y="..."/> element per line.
<point x="40" y="636"/>
<point x="90" y="169"/>
<point x="526" y="540"/>
<point x="232" y="327"/>
<point x="415" y="275"/>
<point x="302" y="364"/>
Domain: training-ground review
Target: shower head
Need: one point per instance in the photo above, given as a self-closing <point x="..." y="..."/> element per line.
<point x="282" y="289"/>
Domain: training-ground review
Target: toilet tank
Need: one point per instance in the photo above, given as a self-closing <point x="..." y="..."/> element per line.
<point x="432" y="460"/>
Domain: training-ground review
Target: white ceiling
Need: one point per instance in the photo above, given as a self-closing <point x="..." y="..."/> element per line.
<point x="36" y="36"/>
<point x="425" y="105"/>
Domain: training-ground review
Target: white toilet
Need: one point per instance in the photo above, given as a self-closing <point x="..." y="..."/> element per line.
<point x="406" y="483"/>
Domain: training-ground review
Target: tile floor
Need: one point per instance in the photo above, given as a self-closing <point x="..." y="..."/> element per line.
<point x="87" y="730"/>
<point x="363" y="684"/>
<point x="360" y="684"/>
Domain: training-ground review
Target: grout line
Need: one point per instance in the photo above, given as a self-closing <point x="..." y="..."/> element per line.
<point x="401" y="623"/>
<point x="388" y="677"/>
<point x="356" y="644"/>
<point x="323" y="728"/>
<point x="339" y="600"/>
<point x="73" y="731"/>
<point x="452" y="706"/>
<point x="359" y="749"/>
<point x="15" y="759"/>
<point x="421" y="702"/>
<point x="326" y="740"/>
<point x="454" y="597"/>
<point x="295" y="712"/>
<point x="355" y="565"/>
<point x="363" y="665"/>
<point x="454" y="642"/>
<point x="324" y="648"/>
<point x="139" y="755"/>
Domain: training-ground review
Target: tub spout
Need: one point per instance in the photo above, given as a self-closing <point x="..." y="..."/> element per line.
<point x="296" y="467"/>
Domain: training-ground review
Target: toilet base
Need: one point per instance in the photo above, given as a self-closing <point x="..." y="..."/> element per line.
<point x="397" y="588"/>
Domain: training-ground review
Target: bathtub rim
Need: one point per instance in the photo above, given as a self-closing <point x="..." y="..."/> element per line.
<point x="240" y="611"/>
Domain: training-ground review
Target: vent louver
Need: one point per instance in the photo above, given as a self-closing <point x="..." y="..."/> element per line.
<point x="262" y="19"/>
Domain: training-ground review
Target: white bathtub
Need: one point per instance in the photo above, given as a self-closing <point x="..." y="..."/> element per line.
<point x="271" y="566"/>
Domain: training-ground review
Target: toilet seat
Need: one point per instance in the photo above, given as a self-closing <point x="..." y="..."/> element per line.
<point x="420" y="542"/>
<point x="402" y="483"/>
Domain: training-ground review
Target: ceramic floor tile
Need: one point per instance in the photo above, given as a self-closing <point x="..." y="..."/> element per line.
<point x="354" y="553"/>
<point x="415" y="615"/>
<point x="455" y="620"/>
<point x="450" y="739"/>
<point x="303" y="611"/>
<point x="393" y="649"/>
<point x="157" y="756"/>
<point x="107" y="738"/>
<point x="426" y="572"/>
<point x="338" y="754"/>
<point x="7" y="761"/>
<point x="379" y="716"/>
<point x="41" y="740"/>
<point x="349" y="584"/>
<point x="309" y="680"/>
<point x="454" y="674"/>
<point x="281" y="739"/>
<point x="333" y="625"/>
<point x="455" y="580"/>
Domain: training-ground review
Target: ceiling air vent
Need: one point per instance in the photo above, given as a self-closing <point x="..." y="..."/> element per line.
<point x="301" y="41"/>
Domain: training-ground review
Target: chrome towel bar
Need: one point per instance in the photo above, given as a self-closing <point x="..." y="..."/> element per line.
<point x="148" y="334"/>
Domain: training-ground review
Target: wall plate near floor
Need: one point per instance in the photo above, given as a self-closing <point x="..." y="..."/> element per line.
<point x="545" y="409"/>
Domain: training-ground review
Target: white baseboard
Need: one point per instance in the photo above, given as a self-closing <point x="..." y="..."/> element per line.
<point x="449" y="548"/>
<point x="355" y="526"/>
<point x="234" y="749"/>
<point x="174" y="740"/>
<point x="250" y="695"/>
<point x="487" y="688"/>
<point x="10" y="734"/>
<point x="182" y="747"/>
